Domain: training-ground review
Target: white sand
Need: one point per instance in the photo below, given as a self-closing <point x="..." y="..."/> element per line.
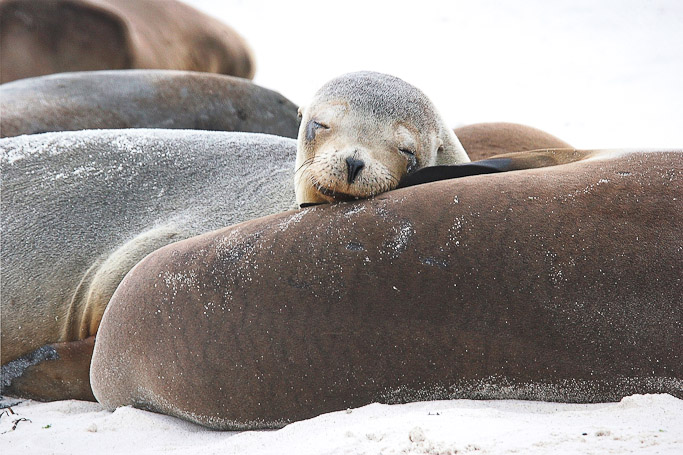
<point x="643" y="424"/>
<point x="596" y="74"/>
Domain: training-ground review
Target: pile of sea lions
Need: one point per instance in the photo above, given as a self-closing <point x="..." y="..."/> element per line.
<point x="183" y="242"/>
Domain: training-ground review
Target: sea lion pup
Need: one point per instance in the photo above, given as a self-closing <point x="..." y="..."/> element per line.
<point x="80" y="209"/>
<point x="143" y="99"/>
<point x="362" y="133"/>
<point x="45" y="37"/>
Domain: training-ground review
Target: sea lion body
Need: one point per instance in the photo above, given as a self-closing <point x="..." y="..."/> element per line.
<point x="81" y="35"/>
<point x="143" y="99"/>
<point x="362" y="133"/>
<point x="80" y="209"/>
<point x="555" y="284"/>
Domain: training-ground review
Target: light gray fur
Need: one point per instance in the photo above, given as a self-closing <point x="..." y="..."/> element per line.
<point x="14" y="369"/>
<point x="70" y="200"/>
<point x="382" y="95"/>
<point x="390" y="98"/>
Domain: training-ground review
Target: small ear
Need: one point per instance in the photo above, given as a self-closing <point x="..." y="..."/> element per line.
<point x="300" y="112"/>
<point x="443" y="157"/>
<point x="451" y="150"/>
<point x="439" y="147"/>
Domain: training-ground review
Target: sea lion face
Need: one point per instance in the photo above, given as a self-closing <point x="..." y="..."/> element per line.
<point x="362" y="133"/>
<point x="345" y="154"/>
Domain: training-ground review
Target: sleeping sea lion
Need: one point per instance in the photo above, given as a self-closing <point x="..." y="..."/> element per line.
<point x="555" y="284"/>
<point x="365" y="132"/>
<point x="362" y="133"/>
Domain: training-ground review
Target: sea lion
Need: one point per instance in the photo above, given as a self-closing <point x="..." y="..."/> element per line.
<point x="555" y="284"/>
<point x="82" y="35"/>
<point x="484" y="140"/>
<point x="143" y="99"/>
<point x="362" y="133"/>
<point x="80" y="209"/>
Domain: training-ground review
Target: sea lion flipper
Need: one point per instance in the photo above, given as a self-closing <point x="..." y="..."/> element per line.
<point x="436" y="173"/>
<point x="516" y="161"/>
<point x="51" y="372"/>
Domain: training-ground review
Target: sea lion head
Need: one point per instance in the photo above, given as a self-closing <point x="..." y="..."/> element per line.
<point x="362" y="133"/>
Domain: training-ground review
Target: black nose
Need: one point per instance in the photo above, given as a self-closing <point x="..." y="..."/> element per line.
<point x="354" y="166"/>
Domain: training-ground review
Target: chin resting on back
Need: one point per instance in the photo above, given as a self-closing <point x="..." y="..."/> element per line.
<point x="365" y="131"/>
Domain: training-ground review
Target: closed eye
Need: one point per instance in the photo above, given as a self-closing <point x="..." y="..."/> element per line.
<point x="312" y="127"/>
<point x="412" y="159"/>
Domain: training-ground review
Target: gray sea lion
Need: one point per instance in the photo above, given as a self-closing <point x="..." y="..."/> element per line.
<point x="80" y="209"/>
<point x="82" y="35"/>
<point x="484" y="140"/>
<point x="556" y="284"/>
<point x="143" y="99"/>
<point x="362" y="133"/>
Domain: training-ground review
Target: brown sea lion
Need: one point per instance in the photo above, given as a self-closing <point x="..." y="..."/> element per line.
<point x="556" y="284"/>
<point x="484" y="140"/>
<point x="80" y="209"/>
<point x="143" y="99"/>
<point x="82" y="35"/>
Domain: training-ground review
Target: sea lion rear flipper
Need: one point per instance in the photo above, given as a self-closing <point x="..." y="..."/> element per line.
<point x="57" y="371"/>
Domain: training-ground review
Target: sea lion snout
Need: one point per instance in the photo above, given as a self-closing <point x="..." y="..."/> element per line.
<point x="341" y="172"/>
<point x="354" y="167"/>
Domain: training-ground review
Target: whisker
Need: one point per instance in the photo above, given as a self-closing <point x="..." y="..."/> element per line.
<point x="307" y="162"/>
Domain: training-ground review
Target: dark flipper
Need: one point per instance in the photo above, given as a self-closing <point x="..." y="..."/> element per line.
<point x="517" y="161"/>
<point x="436" y="173"/>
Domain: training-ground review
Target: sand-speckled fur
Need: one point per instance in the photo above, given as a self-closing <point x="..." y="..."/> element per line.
<point x="80" y="209"/>
<point x="554" y="284"/>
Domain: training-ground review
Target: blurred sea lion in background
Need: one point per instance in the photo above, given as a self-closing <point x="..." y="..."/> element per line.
<point x="143" y="99"/>
<point x="54" y="36"/>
